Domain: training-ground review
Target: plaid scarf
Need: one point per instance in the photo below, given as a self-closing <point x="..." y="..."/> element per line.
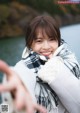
<point x="44" y="94"/>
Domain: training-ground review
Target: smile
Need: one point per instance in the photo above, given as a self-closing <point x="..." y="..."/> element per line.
<point x="46" y="53"/>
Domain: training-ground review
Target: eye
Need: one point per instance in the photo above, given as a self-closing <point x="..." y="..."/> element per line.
<point x="51" y="39"/>
<point x="38" y="40"/>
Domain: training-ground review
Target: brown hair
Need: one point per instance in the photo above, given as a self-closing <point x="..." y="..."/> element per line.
<point x="46" y="23"/>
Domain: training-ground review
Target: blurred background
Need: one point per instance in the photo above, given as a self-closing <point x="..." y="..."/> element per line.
<point x="15" y="15"/>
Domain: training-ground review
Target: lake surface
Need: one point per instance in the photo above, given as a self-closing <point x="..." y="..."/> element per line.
<point x="71" y="34"/>
<point x="11" y="50"/>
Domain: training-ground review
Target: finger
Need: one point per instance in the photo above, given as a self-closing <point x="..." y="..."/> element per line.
<point x="6" y="87"/>
<point x="4" y="67"/>
<point x="40" y="108"/>
<point x="19" y="100"/>
<point x="29" y="106"/>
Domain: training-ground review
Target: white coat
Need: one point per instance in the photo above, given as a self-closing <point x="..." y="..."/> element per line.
<point x="64" y="83"/>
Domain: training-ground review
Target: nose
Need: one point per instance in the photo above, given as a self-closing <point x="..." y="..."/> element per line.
<point x="46" y="45"/>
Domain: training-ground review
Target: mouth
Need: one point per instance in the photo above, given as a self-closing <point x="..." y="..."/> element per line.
<point x="46" y="53"/>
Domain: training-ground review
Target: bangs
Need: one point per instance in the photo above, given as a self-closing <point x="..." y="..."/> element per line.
<point x="47" y="25"/>
<point x="49" y="30"/>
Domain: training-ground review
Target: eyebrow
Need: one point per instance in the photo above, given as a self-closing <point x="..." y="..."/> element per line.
<point x="39" y="37"/>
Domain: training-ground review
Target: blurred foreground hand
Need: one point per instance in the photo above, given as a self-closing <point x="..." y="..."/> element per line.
<point x="22" y="97"/>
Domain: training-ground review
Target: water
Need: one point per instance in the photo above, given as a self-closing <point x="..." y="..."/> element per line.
<point x="71" y="34"/>
<point x="11" y="50"/>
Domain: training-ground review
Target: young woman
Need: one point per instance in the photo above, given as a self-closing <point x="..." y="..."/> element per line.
<point x="48" y="71"/>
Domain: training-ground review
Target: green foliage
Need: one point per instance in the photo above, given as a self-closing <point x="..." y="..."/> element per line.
<point x="43" y="6"/>
<point x="15" y="13"/>
<point x="4" y="12"/>
<point x="4" y="1"/>
<point x="49" y="6"/>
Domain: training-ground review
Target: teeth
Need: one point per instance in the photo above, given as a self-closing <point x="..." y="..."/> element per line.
<point x="46" y="53"/>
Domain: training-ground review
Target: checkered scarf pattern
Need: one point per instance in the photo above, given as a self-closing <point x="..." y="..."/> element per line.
<point x="35" y="62"/>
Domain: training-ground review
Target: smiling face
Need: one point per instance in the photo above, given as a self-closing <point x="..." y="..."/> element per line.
<point x="43" y="44"/>
<point x="43" y="35"/>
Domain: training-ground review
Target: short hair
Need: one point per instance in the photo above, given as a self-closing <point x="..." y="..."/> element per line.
<point x="46" y="23"/>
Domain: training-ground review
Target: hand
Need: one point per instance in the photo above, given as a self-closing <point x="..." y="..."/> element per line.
<point x="22" y="97"/>
<point x="51" y="69"/>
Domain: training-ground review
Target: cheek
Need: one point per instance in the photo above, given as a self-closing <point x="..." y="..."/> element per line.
<point x="36" y="47"/>
<point x="55" y="46"/>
